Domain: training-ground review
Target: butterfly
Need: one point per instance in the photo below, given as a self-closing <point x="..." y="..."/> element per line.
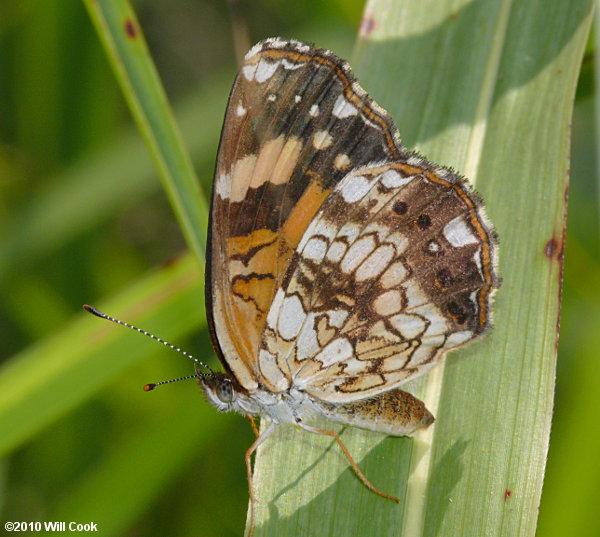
<point x="340" y="264"/>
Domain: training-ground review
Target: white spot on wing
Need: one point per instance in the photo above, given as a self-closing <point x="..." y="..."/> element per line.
<point x="421" y="356"/>
<point x="265" y="70"/>
<point x="270" y="369"/>
<point x="336" y="251"/>
<point x="350" y="230"/>
<point x="291" y="65"/>
<point x="325" y="228"/>
<point x="393" y="276"/>
<point x="414" y="294"/>
<point x="240" y="110"/>
<point x="222" y="186"/>
<point x="322" y="140"/>
<point x="376" y="263"/>
<point x="291" y="317"/>
<point x="297" y="98"/>
<point x="249" y="71"/>
<point x="437" y="321"/>
<point x="341" y="161"/>
<point x="315" y="249"/>
<point x="343" y="108"/>
<point x="388" y="303"/>
<point x="477" y="259"/>
<point x="433" y="247"/>
<point x="392" y="179"/>
<point x="314" y="110"/>
<point x="458" y="233"/>
<point x="355" y="188"/>
<point x="307" y="343"/>
<point x="458" y="338"/>
<point x="436" y="340"/>
<point x="275" y="307"/>
<point x="410" y="326"/>
<point x="398" y="240"/>
<point x="337" y="317"/>
<point x="357" y="253"/>
<point x="337" y="351"/>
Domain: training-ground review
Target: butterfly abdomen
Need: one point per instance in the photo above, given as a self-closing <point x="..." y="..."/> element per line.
<point x="395" y="413"/>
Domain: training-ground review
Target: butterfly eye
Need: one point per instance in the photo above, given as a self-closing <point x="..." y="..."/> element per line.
<point x="225" y="391"/>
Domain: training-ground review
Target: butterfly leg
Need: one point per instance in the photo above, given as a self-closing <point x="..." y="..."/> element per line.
<point x="252" y="421"/>
<point x="355" y="467"/>
<point x="259" y="440"/>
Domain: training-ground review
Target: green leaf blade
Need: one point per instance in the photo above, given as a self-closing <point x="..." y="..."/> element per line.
<point x="497" y="85"/>
<point x="47" y="380"/>
<point x="121" y="35"/>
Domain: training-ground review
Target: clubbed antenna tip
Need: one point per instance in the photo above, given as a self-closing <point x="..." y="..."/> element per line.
<point x="92" y="310"/>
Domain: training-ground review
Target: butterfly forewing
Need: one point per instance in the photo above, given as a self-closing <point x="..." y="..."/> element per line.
<point x="296" y="123"/>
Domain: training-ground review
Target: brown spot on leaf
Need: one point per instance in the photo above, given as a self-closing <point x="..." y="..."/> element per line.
<point x="130" y="28"/>
<point x="551" y="248"/>
<point x="367" y="25"/>
<point x="507" y="494"/>
<point x="561" y="266"/>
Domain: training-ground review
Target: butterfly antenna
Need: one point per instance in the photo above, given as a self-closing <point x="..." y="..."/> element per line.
<point x="148" y="387"/>
<point x="153" y="385"/>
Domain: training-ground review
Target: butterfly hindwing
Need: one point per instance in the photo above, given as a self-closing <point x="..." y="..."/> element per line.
<point x="394" y="270"/>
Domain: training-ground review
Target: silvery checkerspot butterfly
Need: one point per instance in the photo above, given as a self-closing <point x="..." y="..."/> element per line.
<point x="341" y="265"/>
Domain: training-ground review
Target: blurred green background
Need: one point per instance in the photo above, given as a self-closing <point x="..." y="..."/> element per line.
<point x="84" y="218"/>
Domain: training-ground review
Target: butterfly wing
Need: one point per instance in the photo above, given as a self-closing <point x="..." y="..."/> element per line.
<point x="395" y="269"/>
<point x="295" y="124"/>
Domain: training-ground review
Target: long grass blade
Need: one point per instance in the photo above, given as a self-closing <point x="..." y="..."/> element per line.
<point x="486" y="87"/>
<point x="123" y="41"/>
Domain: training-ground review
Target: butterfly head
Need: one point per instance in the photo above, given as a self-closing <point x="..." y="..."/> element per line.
<point x="222" y="391"/>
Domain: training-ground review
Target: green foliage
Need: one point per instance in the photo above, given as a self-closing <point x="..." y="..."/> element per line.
<point x="83" y="218"/>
